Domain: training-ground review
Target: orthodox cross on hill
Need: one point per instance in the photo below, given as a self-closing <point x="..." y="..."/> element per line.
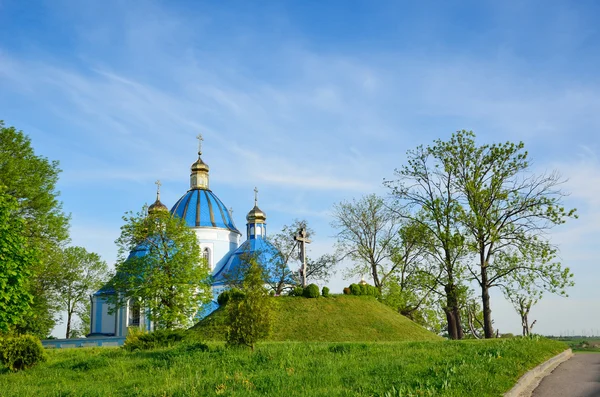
<point x="158" y="185"/>
<point x="200" y="139"/>
<point x="255" y="196"/>
<point x="302" y="240"/>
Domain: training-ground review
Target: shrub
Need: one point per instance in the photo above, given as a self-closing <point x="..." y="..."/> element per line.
<point x="311" y="291"/>
<point x="138" y="340"/>
<point x="21" y="352"/>
<point x="325" y="292"/>
<point x="355" y="289"/>
<point x="297" y="291"/>
<point x="227" y="295"/>
<point x="347" y="291"/>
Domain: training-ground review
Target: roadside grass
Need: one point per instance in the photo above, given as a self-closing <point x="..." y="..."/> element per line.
<point x="430" y="368"/>
<point x="338" y="318"/>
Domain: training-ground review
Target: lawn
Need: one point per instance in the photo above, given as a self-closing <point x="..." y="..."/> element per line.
<point x="430" y="368"/>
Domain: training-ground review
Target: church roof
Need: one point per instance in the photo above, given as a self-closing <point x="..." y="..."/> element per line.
<point x="267" y="255"/>
<point x="202" y="208"/>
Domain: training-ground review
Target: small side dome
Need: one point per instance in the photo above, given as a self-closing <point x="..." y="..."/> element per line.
<point x="256" y="215"/>
<point x="157" y="205"/>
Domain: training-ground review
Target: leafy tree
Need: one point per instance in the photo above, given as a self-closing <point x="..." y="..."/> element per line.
<point x="505" y="207"/>
<point x="249" y="314"/>
<point x="425" y="195"/>
<point x="367" y="229"/>
<point x="31" y="179"/>
<point x="84" y="272"/>
<point x="164" y="270"/>
<point x="16" y="261"/>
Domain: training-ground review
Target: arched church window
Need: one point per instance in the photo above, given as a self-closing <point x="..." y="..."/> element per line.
<point x="206" y="255"/>
<point x="251" y="230"/>
<point x="258" y="230"/>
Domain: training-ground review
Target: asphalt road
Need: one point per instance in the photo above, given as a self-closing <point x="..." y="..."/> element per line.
<point x="577" y="377"/>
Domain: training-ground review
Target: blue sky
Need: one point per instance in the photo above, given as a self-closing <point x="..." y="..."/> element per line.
<point x="313" y="102"/>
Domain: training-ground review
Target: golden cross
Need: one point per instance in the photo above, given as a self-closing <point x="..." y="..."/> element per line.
<point x="200" y="139"/>
<point x="158" y="185"/>
<point x="255" y="196"/>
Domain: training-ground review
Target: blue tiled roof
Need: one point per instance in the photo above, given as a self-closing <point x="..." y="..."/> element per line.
<point x="200" y="207"/>
<point x="267" y="257"/>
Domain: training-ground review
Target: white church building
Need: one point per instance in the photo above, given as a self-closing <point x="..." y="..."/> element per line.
<point x="219" y="241"/>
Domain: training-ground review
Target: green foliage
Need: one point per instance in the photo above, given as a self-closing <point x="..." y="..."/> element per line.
<point x="225" y="296"/>
<point x="138" y="340"/>
<point x="31" y="180"/>
<point x="325" y="292"/>
<point x="21" y="352"/>
<point x="170" y="278"/>
<point x="363" y="290"/>
<point x="249" y="317"/>
<point x="311" y="291"/>
<point x="83" y="274"/>
<point x="16" y="262"/>
<point x="297" y="291"/>
<point x="439" y="368"/>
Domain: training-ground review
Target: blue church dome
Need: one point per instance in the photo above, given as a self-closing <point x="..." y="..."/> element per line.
<point x="201" y="207"/>
<point x="266" y="254"/>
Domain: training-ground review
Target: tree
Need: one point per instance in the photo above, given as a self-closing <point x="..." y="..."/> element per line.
<point x="84" y="272"/>
<point x="425" y="195"/>
<point x="281" y="276"/>
<point x="366" y="232"/>
<point x="17" y="259"/>
<point x="249" y="314"/>
<point x="31" y="179"/>
<point x="505" y="207"/>
<point x="160" y="265"/>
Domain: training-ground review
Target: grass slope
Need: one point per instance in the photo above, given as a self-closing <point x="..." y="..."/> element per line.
<point x="340" y="318"/>
<point x="389" y="369"/>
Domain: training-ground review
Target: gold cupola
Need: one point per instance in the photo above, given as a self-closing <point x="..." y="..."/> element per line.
<point x="256" y="215"/>
<point x="157" y="205"/>
<point x="199" y="174"/>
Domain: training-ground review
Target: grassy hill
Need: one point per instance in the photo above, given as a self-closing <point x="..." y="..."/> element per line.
<point x="340" y="318"/>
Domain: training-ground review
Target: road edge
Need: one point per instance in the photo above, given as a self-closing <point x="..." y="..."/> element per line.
<point x="532" y="378"/>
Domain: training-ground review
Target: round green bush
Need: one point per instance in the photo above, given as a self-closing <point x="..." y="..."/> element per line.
<point x="325" y="292"/>
<point x="311" y="291"/>
<point x="21" y="352"/>
<point x="355" y="289"/>
<point x="365" y="290"/>
<point x="229" y="294"/>
<point x="297" y="291"/>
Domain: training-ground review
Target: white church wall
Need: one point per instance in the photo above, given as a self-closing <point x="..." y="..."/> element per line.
<point x="220" y="242"/>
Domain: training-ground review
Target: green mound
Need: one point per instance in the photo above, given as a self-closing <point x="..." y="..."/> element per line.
<point x="339" y="318"/>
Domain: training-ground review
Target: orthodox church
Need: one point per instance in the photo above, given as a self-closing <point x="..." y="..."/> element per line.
<point x="219" y="241"/>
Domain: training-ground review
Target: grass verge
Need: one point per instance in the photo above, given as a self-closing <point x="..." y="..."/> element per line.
<point x="433" y="368"/>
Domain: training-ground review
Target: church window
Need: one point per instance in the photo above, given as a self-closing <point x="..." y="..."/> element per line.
<point x="206" y="255"/>
<point x="252" y="230"/>
<point x="258" y="231"/>
<point x="134" y="313"/>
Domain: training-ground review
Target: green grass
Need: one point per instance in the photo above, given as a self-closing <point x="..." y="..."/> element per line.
<point x="583" y="344"/>
<point x="431" y="368"/>
<point x="339" y="318"/>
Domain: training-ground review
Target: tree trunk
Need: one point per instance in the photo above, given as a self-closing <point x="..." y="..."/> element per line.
<point x="488" y="330"/>
<point x="69" y="315"/>
<point x="453" y="313"/>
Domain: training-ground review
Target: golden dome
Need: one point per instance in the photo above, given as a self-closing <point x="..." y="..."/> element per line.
<point x="256" y="215"/>
<point x="199" y="165"/>
<point x="157" y="206"/>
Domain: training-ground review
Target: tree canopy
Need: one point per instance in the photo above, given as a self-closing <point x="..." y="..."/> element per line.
<point x="165" y="271"/>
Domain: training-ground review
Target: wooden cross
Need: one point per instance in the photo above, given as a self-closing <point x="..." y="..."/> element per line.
<point x="200" y="139"/>
<point x="302" y="240"/>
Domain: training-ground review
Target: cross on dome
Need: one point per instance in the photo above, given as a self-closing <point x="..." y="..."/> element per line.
<point x="255" y="196"/>
<point x="200" y="139"/>
<point x="158" y="185"/>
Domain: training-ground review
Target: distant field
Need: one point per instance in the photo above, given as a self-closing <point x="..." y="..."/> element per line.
<point x="431" y="368"/>
<point x="340" y="318"/>
<point x="582" y="344"/>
